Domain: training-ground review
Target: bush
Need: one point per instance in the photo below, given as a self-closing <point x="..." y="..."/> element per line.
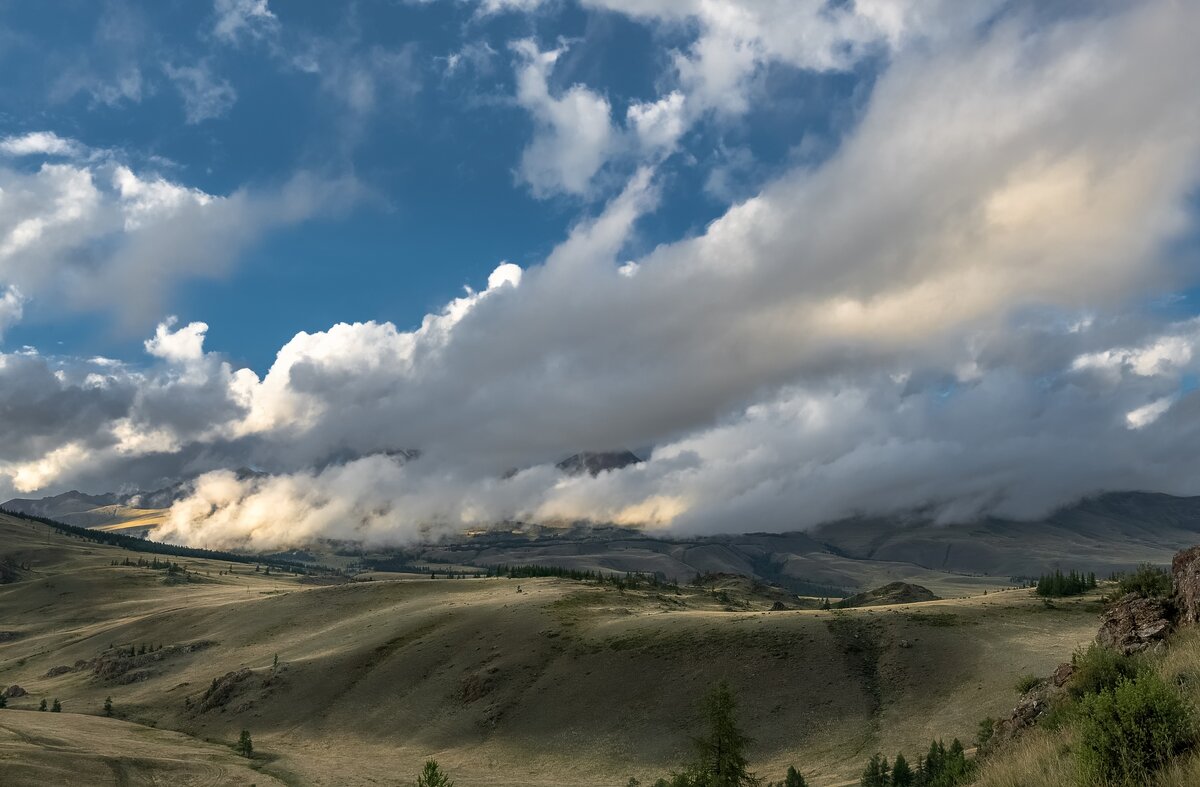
<point x="1148" y="580"/>
<point x="1027" y="682"/>
<point x="1130" y="731"/>
<point x="1099" y="669"/>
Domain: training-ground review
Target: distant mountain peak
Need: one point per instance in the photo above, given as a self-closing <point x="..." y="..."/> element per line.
<point x="596" y="462"/>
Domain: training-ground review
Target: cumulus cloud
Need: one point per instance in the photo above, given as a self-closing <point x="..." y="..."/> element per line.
<point x="573" y="132"/>
<point x="941" y="317"/>
<point x="95" y="235"/>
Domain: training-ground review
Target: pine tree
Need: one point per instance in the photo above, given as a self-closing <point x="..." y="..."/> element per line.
<point x="42" y="706"/>
<point x="3" y="701"/>
<point x="245" y="746"/>
<point x="902" y="775"/>
<point x="721" y="754"/>
<point x="794" y="778"/>
<point x="876" y="773"/>
<point x="108" y="708"/>
<point x="433" y="776"/>
<point x="56" y="707"/>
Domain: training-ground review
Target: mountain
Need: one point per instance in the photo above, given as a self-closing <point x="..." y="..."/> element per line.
<point x="596" y="462"/>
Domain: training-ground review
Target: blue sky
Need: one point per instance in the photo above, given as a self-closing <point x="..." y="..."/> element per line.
<point x="435" y="153"/>
<point x="817" y="258"/>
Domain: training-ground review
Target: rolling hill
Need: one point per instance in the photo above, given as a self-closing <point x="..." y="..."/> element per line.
<point x="505" y="682"/>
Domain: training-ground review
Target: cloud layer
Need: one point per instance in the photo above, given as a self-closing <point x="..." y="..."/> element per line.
<point x="948" y="314"/>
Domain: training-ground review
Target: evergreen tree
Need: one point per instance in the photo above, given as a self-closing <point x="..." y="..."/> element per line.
<point x="721" y="754"/>
<point x="245" y="746"/>
<point x="56" y="707"/>
<point x="42" y="706"/>
<point x="902" y="775"/>
<point x="108" y="708"/>
<point x="794" y="778"/>
<point x="433" y="776"/>
<point x="876" y="773"/>
<point x="3" y="701"/>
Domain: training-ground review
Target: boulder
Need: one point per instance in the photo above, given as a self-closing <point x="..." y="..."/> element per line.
<point x="1062" y="674"/>
<point x="1030" y="708"/>
<point x="1135" y="623"/>
<point x="14" y="691"/>
<point x="1185" y="576"/>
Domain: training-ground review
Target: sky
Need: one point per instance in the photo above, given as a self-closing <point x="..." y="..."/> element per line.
<point x="812" y="259"/>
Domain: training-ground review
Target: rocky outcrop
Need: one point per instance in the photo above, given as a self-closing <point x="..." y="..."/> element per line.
<point x="1032" y="706"/>
<point x="223" y="690"/>
<point x="1185" y="579"/>
<point x="1135" y="623"/>
<point x="14" y="691"/>
<point x="1062" y="674"/>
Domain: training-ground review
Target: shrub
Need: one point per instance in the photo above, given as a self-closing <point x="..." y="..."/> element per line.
<point x="1130" y="731"/>
<point x="987" y="728"/>
<point x="1148" y="580"/>
<point x="1028" y="682"/>
<point x="1099" y="669"/>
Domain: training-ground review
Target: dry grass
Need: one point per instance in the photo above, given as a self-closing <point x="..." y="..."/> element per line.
<point x="560" y="683"/>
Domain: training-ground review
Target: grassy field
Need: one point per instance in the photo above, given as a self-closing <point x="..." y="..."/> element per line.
<point x="561" y="682"/>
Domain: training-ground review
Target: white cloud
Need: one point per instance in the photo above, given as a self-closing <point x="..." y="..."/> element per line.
<point x="12" y="307"/>
<point x="45" y="143"/>
<point x="96" y="236"/>
<point x="238" y="18"/>
<point x="204" y="96"/>
<point x="572" y="135"/>
<point x="181" y="346"/>
<point x="658" y="124"/>
<point x="937" y="317"/>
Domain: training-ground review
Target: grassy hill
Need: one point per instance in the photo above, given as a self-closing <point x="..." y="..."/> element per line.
<point x="562" y="682"/>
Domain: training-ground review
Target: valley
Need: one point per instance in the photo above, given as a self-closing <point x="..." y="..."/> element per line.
<point x="504" y="681"/>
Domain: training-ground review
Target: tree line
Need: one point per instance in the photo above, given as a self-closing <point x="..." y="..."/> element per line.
<point x="1060" y="584"/>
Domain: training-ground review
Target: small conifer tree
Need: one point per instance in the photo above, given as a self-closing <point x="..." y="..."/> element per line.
<point x="877" y="773"/>
<point x="108" y="707"/>
<point x="56" y="707"/>
<point x="245" y="746"/>
<point x="42" y="706"/>
<point x="433" y="776"/>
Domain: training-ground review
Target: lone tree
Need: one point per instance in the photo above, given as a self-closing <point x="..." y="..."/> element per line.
<point x="794" y="778"/>
<point x="56" y="707"/>
<point x="433" y="776"/>
<point x="108" y="711"/>
<point x="721" y="754"/>
<point x="42" y="706"/>
<point x="3" y="701"/>
<point x="245" y="746"/>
